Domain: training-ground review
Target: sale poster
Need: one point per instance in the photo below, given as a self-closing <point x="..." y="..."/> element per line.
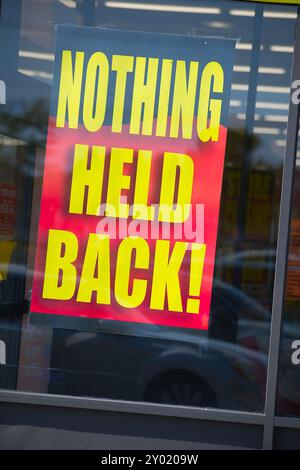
<point x="133" y="176"/>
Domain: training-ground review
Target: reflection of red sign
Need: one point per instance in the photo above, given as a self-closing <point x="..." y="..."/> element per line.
<point x="230" y="197"/>
<point x="293" y="268"/>
<point x="7" y="210"/>
<point x="33" y="371"/>
<point x="259" y="204"/>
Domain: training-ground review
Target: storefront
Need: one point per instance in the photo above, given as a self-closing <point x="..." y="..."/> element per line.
<point x="121" y="125"/>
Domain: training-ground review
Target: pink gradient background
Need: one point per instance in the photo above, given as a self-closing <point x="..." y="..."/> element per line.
<point x="208" y="171"/>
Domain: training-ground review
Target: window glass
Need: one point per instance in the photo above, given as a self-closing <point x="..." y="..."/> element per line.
<point x="224" y="366"/>
<point x="288" y="396"/>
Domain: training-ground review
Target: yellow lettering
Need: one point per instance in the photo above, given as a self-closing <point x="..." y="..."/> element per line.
<point x="96" y="260"/>
<point x="123" y="270"/>
<point x="83" y="178"/>
<point x="166" y="276"/>
<point x="69" y="89"/>
<point x="94" y="111"/>
<point x="173" y="162"/>
<point x="56" y="263"/>
<point x="121" y="64"/>
<point x="141" y="210"/>
<point x="117" y="181"/>
<point x="164" y="96"/>
<point x="210" y="131"/>
<point x="184" y="99"/>
<point x="143" y="94"/>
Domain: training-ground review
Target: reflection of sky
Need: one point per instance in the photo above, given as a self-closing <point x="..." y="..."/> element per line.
<point x="231" y="19"/>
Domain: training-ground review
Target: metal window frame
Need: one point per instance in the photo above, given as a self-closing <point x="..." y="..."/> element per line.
<point x="282" y="249"/>
<point x="123" y="406"/>
<point x="267" y="420"/>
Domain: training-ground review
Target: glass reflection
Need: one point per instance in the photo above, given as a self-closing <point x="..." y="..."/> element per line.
<point x="225" y="368"/>
<point x="288" y="395"/>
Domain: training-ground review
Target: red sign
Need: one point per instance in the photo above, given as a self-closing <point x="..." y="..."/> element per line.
<point x="133" y="177"/>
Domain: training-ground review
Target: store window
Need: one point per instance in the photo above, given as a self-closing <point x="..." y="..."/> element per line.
<point x="223" y="365"/>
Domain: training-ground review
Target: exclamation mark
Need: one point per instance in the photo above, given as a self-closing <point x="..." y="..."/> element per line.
<point x="196" y="271"/>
